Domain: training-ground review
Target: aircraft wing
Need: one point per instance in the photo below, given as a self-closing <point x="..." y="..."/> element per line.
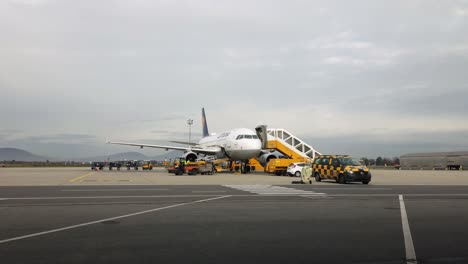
<point x="184" y="143"/>
<point x="208" y="151"/>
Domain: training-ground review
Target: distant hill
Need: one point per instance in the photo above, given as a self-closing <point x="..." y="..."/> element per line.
<point x="9" y="154"/>
<point x="169" y="155"/>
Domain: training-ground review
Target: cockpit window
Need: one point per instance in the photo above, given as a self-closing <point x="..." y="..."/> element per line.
<point x="246" y="137"/>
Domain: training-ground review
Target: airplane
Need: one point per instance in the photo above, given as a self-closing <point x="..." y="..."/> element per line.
<point x="239" y="144"/>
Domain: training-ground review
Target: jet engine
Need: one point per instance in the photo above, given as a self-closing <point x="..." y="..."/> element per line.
<point x="266" y="157"/>
<point x="190" y="156"/>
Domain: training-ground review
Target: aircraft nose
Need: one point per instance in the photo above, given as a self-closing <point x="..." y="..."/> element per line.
<point x="258" y="144"/>
<point x="252" y="144"/>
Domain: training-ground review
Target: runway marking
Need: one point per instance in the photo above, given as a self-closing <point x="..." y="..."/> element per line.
<point x="344" y="188"/>
<point x="233" y="195"/>
<point x="272" y="190"/>
<point x="409" y="247"/>
<point x="109" y="190"/>
<point x="82" y="176"/>
<point x="392" y="194"/>
<point x="109" y="219"/>
<point x="208" y="191"/>
<point x="108" y="197"/>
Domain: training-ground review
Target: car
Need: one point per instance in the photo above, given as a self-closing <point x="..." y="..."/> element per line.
<point x="132" y="164"/>
<point x="341" y="168"/>
<point x="114" y="164"/>
<point x="97" y="165"/>
<point x="295" y="169"/>
<point x="147" y="166"/>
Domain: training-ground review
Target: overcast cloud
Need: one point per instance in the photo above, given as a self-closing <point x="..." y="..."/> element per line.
<point x="359" y="77"/>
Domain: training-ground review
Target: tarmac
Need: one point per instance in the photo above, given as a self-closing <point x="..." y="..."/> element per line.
<point x="79" y="216"/>
<point x="159" y="176"/>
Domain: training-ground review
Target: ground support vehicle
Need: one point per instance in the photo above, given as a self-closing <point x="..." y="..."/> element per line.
<point x="97" y="165"/>
<point x="277" y="166"/>
<point x="341" y="168"/>
<point x="207" y="168"/>
<point x="174" y="167"/>
<point x="190" y="169"/>
<point x="147" y="166"/>
<point x="171" y="169"/>
<point x="116" y="165"/>
<point x="182" y="166"/>
<point x="255" y="165"/>
<point x="132" y="164"/>
<point x="241" y="166"/>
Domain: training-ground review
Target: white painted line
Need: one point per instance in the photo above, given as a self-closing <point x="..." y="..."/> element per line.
<point x="343" y="189"/>
<point x="108" y="197"/>
<point x="108" y="219"/>
<point x="233" y="195"/>
<point x="271" y="190"/>
<point x="316" y="196"/>
<point x="208" y="191"/>
<point x="393" y="195"/>
<point x="109" y="190"/>
<point x="275" y="193"/>
<point x="409" y="247"/>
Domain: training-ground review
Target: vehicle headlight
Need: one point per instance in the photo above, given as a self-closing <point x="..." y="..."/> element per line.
<point x="350" y="172"/>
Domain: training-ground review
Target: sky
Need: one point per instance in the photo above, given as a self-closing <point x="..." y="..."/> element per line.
<point x="366" y="78"/>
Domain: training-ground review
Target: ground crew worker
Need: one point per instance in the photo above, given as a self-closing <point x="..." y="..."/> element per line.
<point x="306" y="173"/>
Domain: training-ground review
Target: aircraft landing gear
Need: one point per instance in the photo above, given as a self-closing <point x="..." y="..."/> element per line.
<point x="245" y="167"/>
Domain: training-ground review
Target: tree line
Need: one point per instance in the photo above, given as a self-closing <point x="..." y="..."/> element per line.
<point x="381" y="161"/>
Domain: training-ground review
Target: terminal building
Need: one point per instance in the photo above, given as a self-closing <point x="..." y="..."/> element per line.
<point x="435" y="161"/>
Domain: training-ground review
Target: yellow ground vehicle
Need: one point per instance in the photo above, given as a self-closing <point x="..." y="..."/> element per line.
<point x="181" y="166"/>
<point x="253" y="165"/>
<point x="341" y="168"/>
<point x="147" y="166"/>
<point x="175" y="165"/>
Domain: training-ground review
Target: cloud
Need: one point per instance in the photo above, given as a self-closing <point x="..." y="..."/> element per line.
<point x="62" y="138"/>
<point x="138" y="70"/>
<point x="29" y="2"/>
<point x="461" y="12"/>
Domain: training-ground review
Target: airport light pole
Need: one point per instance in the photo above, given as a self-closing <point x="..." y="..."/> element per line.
<point x="190" y="123"/>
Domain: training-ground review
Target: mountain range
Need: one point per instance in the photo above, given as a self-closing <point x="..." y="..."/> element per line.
<point x="9" y="154"/>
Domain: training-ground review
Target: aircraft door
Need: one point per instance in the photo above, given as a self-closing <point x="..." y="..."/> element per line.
<point x="263" y="135"/>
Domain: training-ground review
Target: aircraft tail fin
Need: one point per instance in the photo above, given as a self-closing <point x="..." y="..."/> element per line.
<point x="205" y="125"/>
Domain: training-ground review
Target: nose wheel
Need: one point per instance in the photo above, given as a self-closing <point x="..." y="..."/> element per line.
<point x="245" y="167"/>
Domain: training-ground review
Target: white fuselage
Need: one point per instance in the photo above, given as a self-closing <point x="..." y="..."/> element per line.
<point x="238" y="144"/>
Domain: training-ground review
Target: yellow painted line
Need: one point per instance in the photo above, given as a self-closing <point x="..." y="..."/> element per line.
<point x="82" y="176"/>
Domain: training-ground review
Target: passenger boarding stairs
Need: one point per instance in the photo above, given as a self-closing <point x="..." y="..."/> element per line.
<point x="285" y="142"/>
